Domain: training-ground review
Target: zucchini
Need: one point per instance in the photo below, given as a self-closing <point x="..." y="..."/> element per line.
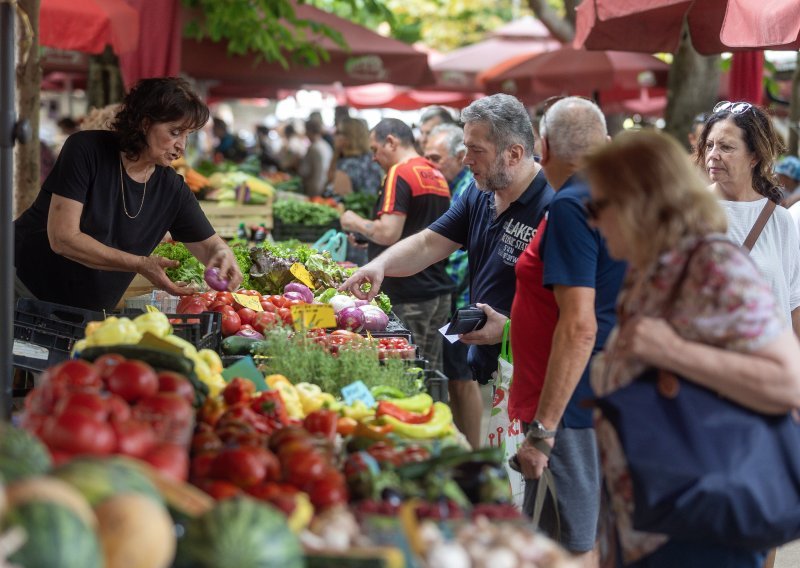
<point x="237" y="345"/>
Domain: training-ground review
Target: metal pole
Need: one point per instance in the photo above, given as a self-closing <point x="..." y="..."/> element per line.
<point x="7" y="122"/>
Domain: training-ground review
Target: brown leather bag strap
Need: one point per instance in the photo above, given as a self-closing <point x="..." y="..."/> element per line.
<point x="759" y="225"/>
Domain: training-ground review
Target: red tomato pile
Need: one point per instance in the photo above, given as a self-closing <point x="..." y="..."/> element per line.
<point x="114" y="406"/>
<point x="250" y="445"/>
<point x="236" y="317"/>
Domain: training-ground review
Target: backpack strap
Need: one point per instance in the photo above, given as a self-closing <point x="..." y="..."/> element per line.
<point x="759" y="225"/>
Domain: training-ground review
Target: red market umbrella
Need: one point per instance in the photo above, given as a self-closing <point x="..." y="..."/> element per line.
<point x="577" y="71"/>
<point x="715" y="25"/>
<point x="459" y="69"/>
<point x="747" y="77"/>
<point x="384" y="95"/>
<point x="88" y="25"/>
<point x="369" y="58"/>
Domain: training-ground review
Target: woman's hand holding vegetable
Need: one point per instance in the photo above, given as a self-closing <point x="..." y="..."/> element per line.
<point x="491" y="333"/>
<point x="224" y="261"/>
<point x="153" y="268"/>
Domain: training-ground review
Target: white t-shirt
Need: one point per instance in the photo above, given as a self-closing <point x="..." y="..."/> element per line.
<point x="795" y="212"/>
<point x="776" y="252"/>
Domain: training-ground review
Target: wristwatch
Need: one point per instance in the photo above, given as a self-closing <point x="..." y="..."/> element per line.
<point x="537" y="431"/>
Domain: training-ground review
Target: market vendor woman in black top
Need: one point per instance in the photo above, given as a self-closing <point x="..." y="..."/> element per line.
<point x="111" y="198"/>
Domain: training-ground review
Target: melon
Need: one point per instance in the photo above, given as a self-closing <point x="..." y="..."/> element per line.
<point x="135" y="532"/>
<point x="98" y="478"/>
<point x="239" y="532"/>
<point x="56" y="537"/>
<point x="21" y="454"/>
<point x="51" y="490"/>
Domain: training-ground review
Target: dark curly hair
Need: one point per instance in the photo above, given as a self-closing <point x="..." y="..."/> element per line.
<point x="761" y="140"/>
<point x="156" y="100"/>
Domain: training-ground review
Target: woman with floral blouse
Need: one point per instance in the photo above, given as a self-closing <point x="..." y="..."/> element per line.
<point x="725" y="332"/>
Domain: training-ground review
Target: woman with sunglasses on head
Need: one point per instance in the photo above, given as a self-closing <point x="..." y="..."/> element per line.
<point x="692" y="304"/>
<point x="738" y="147"/>
<point x="111" y="198"/>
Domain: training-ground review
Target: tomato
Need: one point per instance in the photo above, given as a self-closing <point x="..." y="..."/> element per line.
<point x="201" y="465"/>
<point x="225" y="298"/>
<point x="277" y="300"/>
<point x="170" y="381"/>
<point x="303" y="468"/>
<point x="255" y="293"/>
<point x="134" y="438"/>
<point x="350" y="335"/>
<point x="329" y="490"/>
<point x="92" y="403"/>
<point x="287" y="434"/>
<point x="322" y="422"/>
<point x="171" y="460"/>
<point x="239" y="390"/>
<point x="40" y="401"/>
<point x="209" y="296"/>
<point x="268" y="306"/>
<point x="168" y="413"/>
<point x="219" y="490"/>
<point x="133" y="380"/>
<point x="264" y="321"/>
<point x="193" y="304"/>
<point x="221" y="308"/>
<point x="205" y="442"/>
<point x="230" y="323"/>
<point x="106" y="363"/>
<point x="286" y="315"/>
<point x="244" y="467"/>
<point x="246" y="315"/>
<point x="291" y="303"/>
<point x="77" y="432"/>
<point x="75" y="374"/>
<point x="316" y="332"/>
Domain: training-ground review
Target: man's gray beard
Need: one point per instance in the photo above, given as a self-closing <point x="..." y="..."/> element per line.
<point x="497" y="181"/>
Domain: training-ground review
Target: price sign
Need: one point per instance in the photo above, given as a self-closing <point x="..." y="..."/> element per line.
<point x="150" y="340"/>
<point x="358" y="391"/>
<point x="309" y="316"/>
<point x="149" y="308"/>
<point x="252" y="302"/>
<point x="299" y="271"/>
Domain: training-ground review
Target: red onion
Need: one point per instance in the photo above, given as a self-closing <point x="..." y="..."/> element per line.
<point x="251" y="333"/>
<point x="214" y="280"/>
<point x="350" y="318"/>
<point x="308" y="295"/>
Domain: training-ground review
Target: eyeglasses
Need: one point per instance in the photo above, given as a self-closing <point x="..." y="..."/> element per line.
<point x="594" y="207"/>
<point x="734" y="108"/>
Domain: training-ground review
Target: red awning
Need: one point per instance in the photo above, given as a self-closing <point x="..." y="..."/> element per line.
<point x="88" y="25"/>
<point x="715" y="25"/>
<point x="384" y="95"/>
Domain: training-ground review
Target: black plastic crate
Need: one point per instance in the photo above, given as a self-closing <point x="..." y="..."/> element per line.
<point x="436" y="385"/>
<point x="45" y="332"/>
<point x="304" y="233"/>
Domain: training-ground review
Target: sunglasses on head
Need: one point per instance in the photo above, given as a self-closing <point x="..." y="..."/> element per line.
<point x="594" y="207"/>
<point x="732" y="107"/>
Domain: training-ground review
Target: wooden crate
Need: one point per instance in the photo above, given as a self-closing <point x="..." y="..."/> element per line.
<point x="226" y="218"/>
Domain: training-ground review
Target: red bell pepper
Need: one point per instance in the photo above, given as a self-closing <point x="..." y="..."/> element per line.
<point x="386" y="408"/>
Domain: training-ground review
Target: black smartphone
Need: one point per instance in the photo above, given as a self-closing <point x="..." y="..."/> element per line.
<point x="466" y="320"/>
<point x="360" y="238"/>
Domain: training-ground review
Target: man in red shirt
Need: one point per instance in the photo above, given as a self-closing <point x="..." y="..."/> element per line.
<point x="414" y="195"/>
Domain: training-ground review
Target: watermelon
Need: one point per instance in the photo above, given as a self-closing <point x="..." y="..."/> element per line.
<point x="56" y="537"/>
<point x="239" y="532"/>
<point x="98" y="478"/>
<point x="21" y="454"/>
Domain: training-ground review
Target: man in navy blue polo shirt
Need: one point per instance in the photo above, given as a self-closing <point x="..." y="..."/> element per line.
<point x="494" y="221"/>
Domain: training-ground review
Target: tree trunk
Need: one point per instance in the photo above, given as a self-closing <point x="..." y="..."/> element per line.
<point x="794" y="110"/>
<point x="29" y="81"/>
<point x="563" y="29"/>
<point x="693" y="86"/>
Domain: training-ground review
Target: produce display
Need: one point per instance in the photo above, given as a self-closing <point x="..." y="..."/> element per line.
<point x="304" y="212"/>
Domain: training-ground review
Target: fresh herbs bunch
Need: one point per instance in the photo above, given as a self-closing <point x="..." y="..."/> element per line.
<point x="303" y="360"/>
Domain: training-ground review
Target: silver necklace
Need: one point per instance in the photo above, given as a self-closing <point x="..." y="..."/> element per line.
<point x="122" y="191"/>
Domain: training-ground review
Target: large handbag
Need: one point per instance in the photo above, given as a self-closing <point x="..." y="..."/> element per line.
<point x="704" y="468"/>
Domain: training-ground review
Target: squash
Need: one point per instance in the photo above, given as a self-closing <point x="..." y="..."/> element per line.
<point x="135" y="532"/>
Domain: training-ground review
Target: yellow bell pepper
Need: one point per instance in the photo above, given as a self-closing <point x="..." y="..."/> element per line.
<point x="115" y="331"/>
<point x="212" y="359"/>
<point x="290" y="396"/>
<point x="312" y="398"/>
<point x="189" y="350"/>
<point x="154" y="322"/>
<point x="302" y="514"/>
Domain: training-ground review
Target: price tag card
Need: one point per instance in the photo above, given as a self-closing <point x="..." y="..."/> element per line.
<point x="358" y="391"/>
<point x="252" y="302"/>
<point x="245" y="368"/>
<point x="149" y="308"/>
<point x="299" y="271"/>
<point x="310" y="316"/>
<point x="150" y="340"/>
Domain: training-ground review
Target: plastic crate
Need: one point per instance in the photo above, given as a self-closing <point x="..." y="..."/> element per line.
<point x="203" y="330"/>
<point x="436" y="385"/>
<point x="44" y="332"/>
<point x="303" y="233"/>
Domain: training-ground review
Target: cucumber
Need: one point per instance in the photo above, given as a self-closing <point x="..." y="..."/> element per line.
<point x="156" y="358"/>
<point x="237" y="345"/>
